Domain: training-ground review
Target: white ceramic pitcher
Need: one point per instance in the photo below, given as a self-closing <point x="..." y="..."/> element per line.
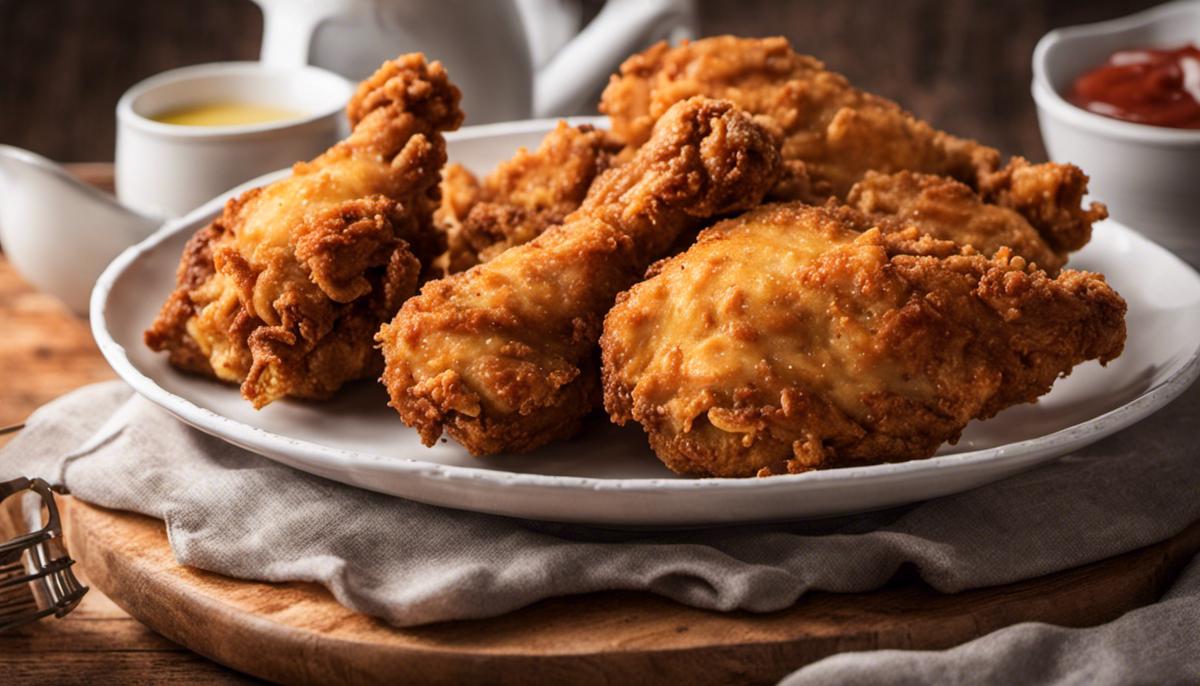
<point x="512" y="58"/>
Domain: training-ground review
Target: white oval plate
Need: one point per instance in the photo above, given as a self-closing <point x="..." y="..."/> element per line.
<point x="608" y="475"/>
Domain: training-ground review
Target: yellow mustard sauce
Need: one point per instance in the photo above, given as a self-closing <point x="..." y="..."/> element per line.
<point x="225" y="114"/>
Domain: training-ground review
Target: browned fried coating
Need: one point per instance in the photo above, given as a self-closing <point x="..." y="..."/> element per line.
<point x="795" y="338"/>
<point x="460" y="192"/>
<point x="834" y="133"/>
<point x="284" y="291"/>
<point x="523" y="196"/>
<point x="503" y="356"/>
<point x="946" y="209"/>
<point x="1049" y="196"/>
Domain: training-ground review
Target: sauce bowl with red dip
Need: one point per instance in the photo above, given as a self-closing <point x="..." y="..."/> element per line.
<point x="1121" y="99"/>
<point x="1145" y="86"/>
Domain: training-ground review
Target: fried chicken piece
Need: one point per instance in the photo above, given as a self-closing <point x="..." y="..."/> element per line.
<point x="460" y="191"/>
<point x="834" y="133"/>
<point x="503" y="356"/>
<point x="946" y="209"/>
<point x="523" y="196"/>
<point x="1049" y="196"/>
<point x="285" y="291"/>
<point x="795" y="338"/>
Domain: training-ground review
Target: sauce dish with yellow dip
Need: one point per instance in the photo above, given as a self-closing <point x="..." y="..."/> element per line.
<point x="188" y="134"/>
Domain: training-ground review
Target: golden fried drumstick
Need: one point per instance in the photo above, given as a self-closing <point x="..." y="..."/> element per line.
<point x="285" y="290"/>
<point x="834" y="133"/>
<point x="503" y="356"/>
<point x="795" y="338"/>
<point x="523" y="196"/>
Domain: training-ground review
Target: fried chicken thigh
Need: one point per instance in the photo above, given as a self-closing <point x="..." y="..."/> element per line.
<point x="284" y="292"/>
<point x="946" y="209"/>
<point x="795" y="338"/>
<point x="834" y="133"/>
<point x="523" y="196"/>
<point x="503" y="356"/>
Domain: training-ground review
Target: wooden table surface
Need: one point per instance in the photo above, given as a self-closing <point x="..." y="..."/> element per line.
<point x="964" y="65"/>
<point x="46" y="351"/>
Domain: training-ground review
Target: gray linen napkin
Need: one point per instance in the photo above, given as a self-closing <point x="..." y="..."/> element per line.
<point x="1157" y="644"/>
<point x="242" y="515"/>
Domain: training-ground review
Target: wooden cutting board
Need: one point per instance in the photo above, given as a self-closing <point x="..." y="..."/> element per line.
<point x="297" y="633"/>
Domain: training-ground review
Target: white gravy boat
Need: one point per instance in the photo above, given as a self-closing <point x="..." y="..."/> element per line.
<point x="59" y="232"/>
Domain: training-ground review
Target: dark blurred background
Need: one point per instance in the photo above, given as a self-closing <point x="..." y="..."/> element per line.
<point x="962" y="65"/>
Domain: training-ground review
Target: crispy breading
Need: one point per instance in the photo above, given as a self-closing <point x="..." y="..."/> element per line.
<point x="523" y="196"/>
<point x="946" y="209"/>
<point x="460" y="192"/>
<point x="795" y="338"/>
<point x="834" y="133"/>
<point x="284" y="292"/>
<point x="1049" y="196"/>
<point x="503" y="356"/>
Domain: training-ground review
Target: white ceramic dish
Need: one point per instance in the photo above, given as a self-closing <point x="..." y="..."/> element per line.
<point x="608" y="476"/>
<point x="1146" y="174"/>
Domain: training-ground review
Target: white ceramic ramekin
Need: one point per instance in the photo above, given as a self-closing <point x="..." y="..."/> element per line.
<point x="1149" y="176"/>
<point x="167" y="170"/>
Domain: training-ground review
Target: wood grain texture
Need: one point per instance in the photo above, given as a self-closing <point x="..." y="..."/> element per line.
<point x="100" y="639"/>
<point x="64" y="63"/>
<point x="46" y="351"/>
<point x="965" y="65"/>
<point x="297" y="633"/>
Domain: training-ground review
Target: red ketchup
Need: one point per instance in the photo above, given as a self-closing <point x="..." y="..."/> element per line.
<point x="1155" y="87"/>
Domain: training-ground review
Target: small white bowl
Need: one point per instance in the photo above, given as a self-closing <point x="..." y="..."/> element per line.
<point x="1149" y="176"/>
<point x="167" y="169"/>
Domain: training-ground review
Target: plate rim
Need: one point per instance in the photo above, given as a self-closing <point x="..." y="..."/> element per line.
<point x="262" y="441"/>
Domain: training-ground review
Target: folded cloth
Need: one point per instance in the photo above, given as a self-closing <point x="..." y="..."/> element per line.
<point x="233" y="512"/>
<point x="1158" y="644"/>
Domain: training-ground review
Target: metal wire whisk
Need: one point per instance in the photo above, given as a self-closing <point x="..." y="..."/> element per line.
<point x="35" y="571"/>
